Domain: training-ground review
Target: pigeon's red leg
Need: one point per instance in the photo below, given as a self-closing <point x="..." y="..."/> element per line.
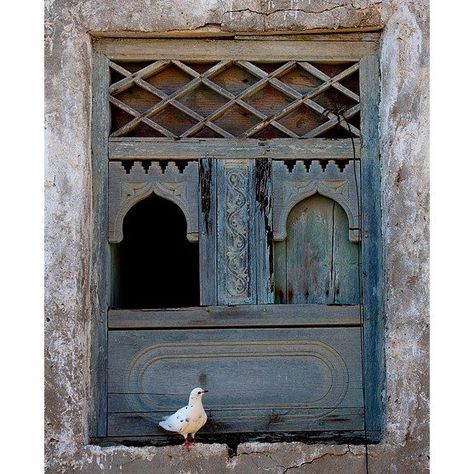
<point x="186" y="443"/>
<point x="193" y="436"/>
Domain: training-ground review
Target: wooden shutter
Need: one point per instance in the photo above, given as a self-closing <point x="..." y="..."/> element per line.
<point x="280" y="189"/>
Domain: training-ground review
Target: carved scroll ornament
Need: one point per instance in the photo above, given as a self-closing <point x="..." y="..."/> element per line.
<point x="236" y="233"/>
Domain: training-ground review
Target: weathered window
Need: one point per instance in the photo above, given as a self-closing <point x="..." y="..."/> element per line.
<point x="237" y="181"/>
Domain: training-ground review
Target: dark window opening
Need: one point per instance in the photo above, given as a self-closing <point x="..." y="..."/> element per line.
<point x="155" y="266"/>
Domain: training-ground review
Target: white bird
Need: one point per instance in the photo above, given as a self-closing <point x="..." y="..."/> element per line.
<point x="189" y="419"/>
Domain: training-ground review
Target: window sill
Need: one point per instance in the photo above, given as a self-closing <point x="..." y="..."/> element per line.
<point x="232" y="440"/>
<point x="240" y="316"/>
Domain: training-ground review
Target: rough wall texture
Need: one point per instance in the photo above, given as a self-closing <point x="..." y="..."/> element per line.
<point x="404" y="148"/>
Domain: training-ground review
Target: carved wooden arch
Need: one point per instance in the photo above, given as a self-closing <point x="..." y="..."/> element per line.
<point x="128" y="189"/>
<point x="353" y="233"/>
<point x="140" y="192"/>
<point x="292" y="187"/>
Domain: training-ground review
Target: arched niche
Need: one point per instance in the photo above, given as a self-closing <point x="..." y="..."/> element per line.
<point x="317" y="263"/>
<point x="155" y="265"/>
<point x="293" y="186"/>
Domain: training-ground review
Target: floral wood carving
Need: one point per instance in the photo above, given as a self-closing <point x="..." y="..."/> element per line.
<point x="127" y="189"/>
<point x="291" y="187"/>
<point x="234" y="218"/>
<point x="236" y="233"/>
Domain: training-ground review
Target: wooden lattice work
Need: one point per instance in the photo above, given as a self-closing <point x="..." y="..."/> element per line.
<point x="234" y="99"/>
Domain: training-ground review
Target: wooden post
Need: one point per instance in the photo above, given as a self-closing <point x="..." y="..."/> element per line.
<point x="100" y="252"/>
<point x="372" y="266"/>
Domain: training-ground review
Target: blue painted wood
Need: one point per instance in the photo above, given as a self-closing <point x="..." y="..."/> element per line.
<point x="263" y="315"/>
<point x="309" y="251"/>
<point x="372" y="263"/>
<point x="208" y="231"/>
<point x="280" y="272"/>
<point x="100" y="263"/>
<point x="345" y="262"/>
<point x="317" y="263"/>
<point x="259" y="380"/>
<point x="263" y="422"/>
<point x="217" y="249"/>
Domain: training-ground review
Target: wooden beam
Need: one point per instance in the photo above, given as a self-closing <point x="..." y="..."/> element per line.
<point x="195" y="148"/>
<point x="367" y="33"/>
<point x="216" y="50"/>
<point x="351" y="34"/>
<point x="236" y="316"/>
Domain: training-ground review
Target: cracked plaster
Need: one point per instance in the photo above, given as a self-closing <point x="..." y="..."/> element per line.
<point x="404" y="148"/>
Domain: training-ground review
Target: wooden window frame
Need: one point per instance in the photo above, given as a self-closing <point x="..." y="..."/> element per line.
<point x="325" y="48"/>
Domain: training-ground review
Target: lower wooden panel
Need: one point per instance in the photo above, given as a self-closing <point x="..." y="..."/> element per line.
<point x="259" y="380"/>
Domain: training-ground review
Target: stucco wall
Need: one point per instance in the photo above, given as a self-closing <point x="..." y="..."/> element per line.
<point x="404" y="148"/>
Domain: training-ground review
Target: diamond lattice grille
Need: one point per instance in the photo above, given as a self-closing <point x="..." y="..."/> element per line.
<point x="229" y="99"/>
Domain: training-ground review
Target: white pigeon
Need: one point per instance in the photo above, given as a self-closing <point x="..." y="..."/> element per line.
<point x="189" y="419"/>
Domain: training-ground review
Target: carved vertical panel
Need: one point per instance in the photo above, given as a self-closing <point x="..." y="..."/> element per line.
<point x="236" y="233"/>
<point x="235" y="258"/>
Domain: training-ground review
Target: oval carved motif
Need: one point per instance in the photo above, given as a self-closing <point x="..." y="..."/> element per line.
<point x="240" y="376"/>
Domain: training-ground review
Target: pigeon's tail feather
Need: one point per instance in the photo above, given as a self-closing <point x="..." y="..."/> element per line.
<point x="165" y="425"/>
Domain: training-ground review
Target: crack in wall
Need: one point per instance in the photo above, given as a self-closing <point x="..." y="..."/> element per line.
<point x="306" y="463"/>
<point x="286" y="10"/>
<point x="303" y="10"/>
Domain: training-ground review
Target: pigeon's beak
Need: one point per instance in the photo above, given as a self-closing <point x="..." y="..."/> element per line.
<point x="205" y="391"/>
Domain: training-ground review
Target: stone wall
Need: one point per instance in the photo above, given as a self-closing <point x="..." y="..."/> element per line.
<point x="404" y="149"/>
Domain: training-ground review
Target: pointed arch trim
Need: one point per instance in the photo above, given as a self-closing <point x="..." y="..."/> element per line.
<point x="292" y="187"/>
<point x="128" y="189"/>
